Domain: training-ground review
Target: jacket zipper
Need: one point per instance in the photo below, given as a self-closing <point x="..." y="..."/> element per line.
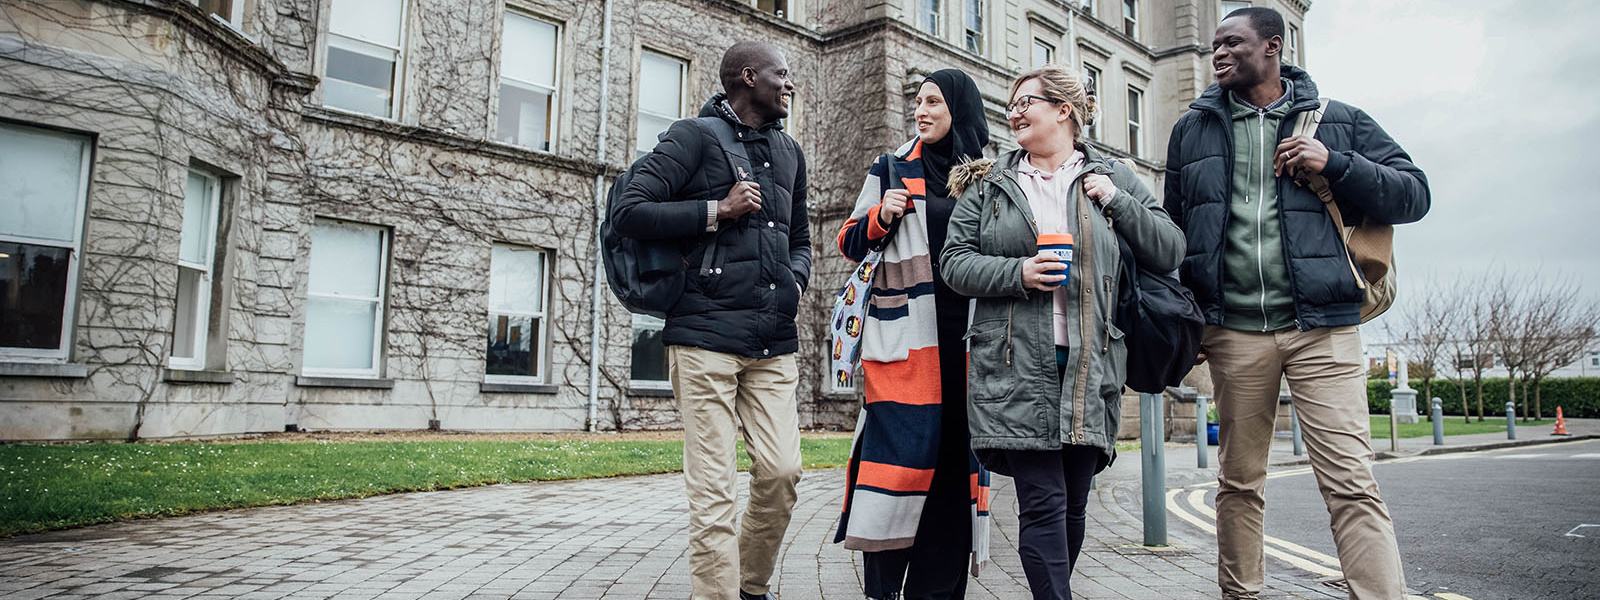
<point x="1261" y="196"/>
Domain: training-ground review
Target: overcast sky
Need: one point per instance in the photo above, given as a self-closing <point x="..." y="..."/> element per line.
<point x="1499" y="103"/>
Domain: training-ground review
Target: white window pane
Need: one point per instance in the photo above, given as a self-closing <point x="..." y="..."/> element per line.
<point x="514" y="344"/>
<point x="516" y="280"/>
<point x="660" y="86"/>
<point x="196" y="219"/>
<point x="528" y="51"/>
<point x="339" y="333"/>
<point x="188" y="322"/>
<point x="41" y="175"/>
<point x="649" y="127"/>
<point x="524" y="117"/>
<point x="374" y="21"/>
<point x="360" y="77"/>
<point x="346" y="259"/>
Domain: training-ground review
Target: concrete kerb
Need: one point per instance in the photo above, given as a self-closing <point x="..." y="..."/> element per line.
<point x="1391" y="455"/>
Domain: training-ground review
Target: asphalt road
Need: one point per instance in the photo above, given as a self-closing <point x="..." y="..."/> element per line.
<point x="1495" y="525"/>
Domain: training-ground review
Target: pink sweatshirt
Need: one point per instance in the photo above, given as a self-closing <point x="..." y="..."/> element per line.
<point x="1050" y="197"/>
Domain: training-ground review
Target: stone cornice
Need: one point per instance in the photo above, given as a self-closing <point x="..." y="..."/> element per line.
<point x="230" y="42"/>
<point x="453" y="141"/>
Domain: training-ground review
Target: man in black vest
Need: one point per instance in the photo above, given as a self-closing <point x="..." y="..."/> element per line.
<point x="1280" y="296"/>
<point x="731" y="338"/>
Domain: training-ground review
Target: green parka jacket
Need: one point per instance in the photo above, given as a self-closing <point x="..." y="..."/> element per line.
<point x="1015" y="400"/>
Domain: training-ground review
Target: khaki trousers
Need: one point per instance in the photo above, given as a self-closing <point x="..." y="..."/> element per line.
<point x="1328" y="381"/>
<point x="712" y="389"/>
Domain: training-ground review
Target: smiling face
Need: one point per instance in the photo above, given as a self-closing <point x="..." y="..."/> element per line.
<point x="933" y="115"/>
<point x="1240" y="58"/>
<point x="770" y="87"/>
<point x="1044" y="127"/>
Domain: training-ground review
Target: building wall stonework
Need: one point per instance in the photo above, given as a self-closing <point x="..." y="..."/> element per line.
<point x="160" y="89"/>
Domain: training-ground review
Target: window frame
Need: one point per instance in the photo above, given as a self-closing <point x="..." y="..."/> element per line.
<point x="655" y="324"/>
<point x="1291" y="44"/>
<point x="968" y="31"/>
<point x="1098" y="79"/>
<point x="201" y="327"/>
<point x="378" y="331"/>
<point x="63" y="352"/>
<point x="934" y="14"/>
<point x="235" y="16"/>
<point x="638" y="96"/>
<point x="1130" y="19"/>
<point x="1049" y="52"/>
<point x="397" y="84"/>
<point x="1222" y="8"/>
<point x="542" y="365"/>
<point x="1135" y="121"/>
<point x="554" y="90"/>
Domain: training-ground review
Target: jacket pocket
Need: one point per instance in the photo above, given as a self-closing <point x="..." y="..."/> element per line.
<point x="991" y="376"/>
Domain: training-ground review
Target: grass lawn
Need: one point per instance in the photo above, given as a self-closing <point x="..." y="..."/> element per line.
<point x="1456" y="426"/>
<point x="56" y="486"/>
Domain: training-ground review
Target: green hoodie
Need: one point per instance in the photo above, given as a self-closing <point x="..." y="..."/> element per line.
<point x="1256" y="295"/>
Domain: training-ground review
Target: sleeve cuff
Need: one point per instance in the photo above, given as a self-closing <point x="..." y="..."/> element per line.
<point x="1338" y="163"/>
<point x="875" y="231"/>
<point x="711" y="215"/>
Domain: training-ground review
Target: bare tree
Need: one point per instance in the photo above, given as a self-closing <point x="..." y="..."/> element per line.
<point x="1567" y="323"/>
<point x="1427" y="326"/>
<point x="1470" y="326"/>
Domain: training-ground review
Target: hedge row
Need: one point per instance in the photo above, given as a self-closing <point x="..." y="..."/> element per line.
<point x="1577" y="396"/>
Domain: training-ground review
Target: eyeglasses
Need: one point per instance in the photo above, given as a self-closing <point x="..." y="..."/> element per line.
<point x="1021" y="105"/>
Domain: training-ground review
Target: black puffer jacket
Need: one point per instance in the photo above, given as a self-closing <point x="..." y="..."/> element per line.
<point x="1369" y="174"/>
<point x="746" y="305"/>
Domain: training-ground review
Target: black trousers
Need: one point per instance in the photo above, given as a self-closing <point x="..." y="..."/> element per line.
<point x="1052" y="498"/>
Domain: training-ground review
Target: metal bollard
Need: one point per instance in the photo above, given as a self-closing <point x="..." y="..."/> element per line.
<point x="1294" y="418"/>
<point x="1438" y="422"/>
<point x="1200" y="421"/>
<point x="1152" y="448"/>
<point x="1511" y="421"/>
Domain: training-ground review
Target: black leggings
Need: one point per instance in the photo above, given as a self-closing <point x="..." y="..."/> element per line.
<point x="1052" y="495"/>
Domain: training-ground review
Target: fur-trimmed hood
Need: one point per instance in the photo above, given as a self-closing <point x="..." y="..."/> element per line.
<point x="968" y="173"/>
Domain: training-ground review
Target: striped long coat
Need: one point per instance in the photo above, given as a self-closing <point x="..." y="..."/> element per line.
<point x="896" y="441"/>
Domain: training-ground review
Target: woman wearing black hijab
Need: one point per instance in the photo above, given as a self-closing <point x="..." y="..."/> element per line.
<point x="916" y="501"/>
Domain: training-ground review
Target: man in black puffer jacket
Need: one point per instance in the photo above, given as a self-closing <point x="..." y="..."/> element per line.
<point x="1270" y="272"/>
<point x="731" y="337"/>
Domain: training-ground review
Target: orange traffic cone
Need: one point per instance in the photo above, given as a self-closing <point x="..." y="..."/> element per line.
<point x="1561" y="423"/>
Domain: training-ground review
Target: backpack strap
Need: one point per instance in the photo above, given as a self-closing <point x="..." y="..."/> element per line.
<point x="1306" y="124"/>
<point x="738" y="164"/>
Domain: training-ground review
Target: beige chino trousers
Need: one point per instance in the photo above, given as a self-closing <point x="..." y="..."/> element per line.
<point x="1327" y="378"/>
<point x="713" y="389"/>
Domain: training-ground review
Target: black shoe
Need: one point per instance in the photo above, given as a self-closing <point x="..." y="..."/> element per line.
<point x="743" y="595"/>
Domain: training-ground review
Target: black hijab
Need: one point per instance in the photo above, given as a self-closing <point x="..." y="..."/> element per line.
<point x="969" y="132"/>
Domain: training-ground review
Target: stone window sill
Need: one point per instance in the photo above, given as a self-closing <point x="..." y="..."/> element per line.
<point x="650" y="392"/>
<point x="517" y="388"/>
<point x="58" y="370"/>
<point x="187" y="376"/>
<point x="344" y="382"/>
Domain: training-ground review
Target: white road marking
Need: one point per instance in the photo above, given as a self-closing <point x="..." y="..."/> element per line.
<point x="1450" y="596"/>
<point x="1197" y="499"/>
<point x="1523" y="456"/>
<point x="1300" y="563"/>
<point x="1587" y="455"/>
<point x="1572" y="532"/>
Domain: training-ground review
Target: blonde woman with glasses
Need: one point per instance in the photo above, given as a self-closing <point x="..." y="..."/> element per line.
<point x="1046" y="363"/>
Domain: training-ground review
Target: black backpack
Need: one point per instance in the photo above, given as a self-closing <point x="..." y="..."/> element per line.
<point x="647" y="276"/>
<point x="1161" y="323"/>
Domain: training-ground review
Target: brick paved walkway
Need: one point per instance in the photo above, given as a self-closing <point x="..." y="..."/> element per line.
<point x="613" y="538"/>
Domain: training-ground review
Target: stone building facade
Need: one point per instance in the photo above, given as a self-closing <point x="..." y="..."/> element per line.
<point x="235" y="216"/>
